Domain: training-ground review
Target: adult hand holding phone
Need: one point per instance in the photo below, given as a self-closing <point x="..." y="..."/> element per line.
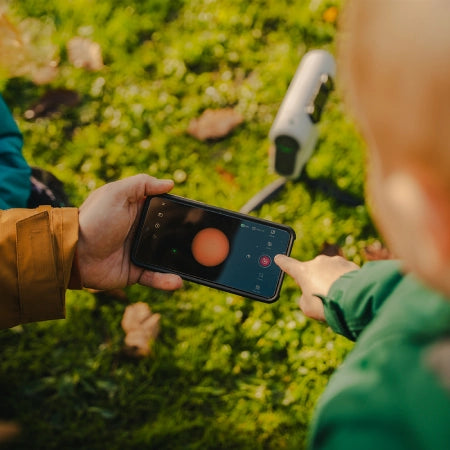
<point x="315" y="278"/>
<point x="107" y="221"/>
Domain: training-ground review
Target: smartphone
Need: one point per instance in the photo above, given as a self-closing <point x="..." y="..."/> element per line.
<point x="222" y="249"/>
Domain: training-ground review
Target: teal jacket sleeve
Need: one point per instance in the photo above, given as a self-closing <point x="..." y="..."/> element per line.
<point x="355" y="298"/>
<point x="15" y="173"/>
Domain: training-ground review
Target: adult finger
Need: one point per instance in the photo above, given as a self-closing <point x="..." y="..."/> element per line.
<point x="157" y="280"/>
<point x="142" y="185"/>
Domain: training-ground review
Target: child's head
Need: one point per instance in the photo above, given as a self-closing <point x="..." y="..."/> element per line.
<point x="395" y="68"/>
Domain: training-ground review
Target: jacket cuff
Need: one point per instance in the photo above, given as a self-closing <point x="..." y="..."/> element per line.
<point x="46" y="243"/>
<point x="355" y="298"/>
<point x="75" y="274"/>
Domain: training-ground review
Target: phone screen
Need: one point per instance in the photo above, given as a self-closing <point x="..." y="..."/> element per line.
<point x="222" y="249"/>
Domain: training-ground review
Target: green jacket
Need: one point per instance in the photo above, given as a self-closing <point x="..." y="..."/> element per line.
<point x="393" y="390"/>
<point x="15" y="173"/>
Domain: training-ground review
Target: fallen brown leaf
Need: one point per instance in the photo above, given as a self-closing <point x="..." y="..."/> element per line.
<point x="45" y="74"/>
<point x="84" y="53"/>
<point x="141" y="327"/>
<point x="51" y="102"/>
<point x="227" y="176"/>
<point x="26" y="50"/>
<point x="215" y="124"/>
<point x="331" y="249"/>
<point x="12" y="48"/>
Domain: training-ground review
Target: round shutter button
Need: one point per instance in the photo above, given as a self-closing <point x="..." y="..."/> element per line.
<point x="265" y="261"/>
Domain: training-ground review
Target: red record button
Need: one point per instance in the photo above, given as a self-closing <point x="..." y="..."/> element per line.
<point x="265" y="261"/>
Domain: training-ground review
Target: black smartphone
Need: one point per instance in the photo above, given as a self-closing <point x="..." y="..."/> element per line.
<point x="212" y="246"/>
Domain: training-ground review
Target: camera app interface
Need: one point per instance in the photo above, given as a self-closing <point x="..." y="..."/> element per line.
<point x="212" y="246"/>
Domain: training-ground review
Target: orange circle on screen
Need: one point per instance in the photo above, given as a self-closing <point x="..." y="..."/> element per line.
<point x="210" y="247"/>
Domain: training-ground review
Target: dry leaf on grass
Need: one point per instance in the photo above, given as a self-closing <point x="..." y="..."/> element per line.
<point x="51" y="102"/>
<point x="141" y="327"/>
<point x="27" y="50"/>
<point x="331" y="249"/>
<point x="45" y="74"/>
<point x="84" y="53"/>
<point x="215" y="124"/>
<point x="226" y="175"/>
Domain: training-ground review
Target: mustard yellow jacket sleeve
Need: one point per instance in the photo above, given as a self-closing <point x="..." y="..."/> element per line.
<point x="37" y="248"/>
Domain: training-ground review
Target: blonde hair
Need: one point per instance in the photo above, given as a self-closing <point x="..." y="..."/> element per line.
<point x="394" y="67"/>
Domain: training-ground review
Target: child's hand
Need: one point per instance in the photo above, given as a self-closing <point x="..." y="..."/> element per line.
<point x="314" y="278"/>
<point x="107" y="222"/>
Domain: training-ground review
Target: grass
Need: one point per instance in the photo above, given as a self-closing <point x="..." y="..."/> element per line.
<point x="226" y="372"/>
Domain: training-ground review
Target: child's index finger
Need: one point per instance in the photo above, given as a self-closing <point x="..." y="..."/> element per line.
<point x="289" y="265"/>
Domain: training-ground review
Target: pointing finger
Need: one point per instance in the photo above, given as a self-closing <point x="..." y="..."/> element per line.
<point x="289" y="265"/>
